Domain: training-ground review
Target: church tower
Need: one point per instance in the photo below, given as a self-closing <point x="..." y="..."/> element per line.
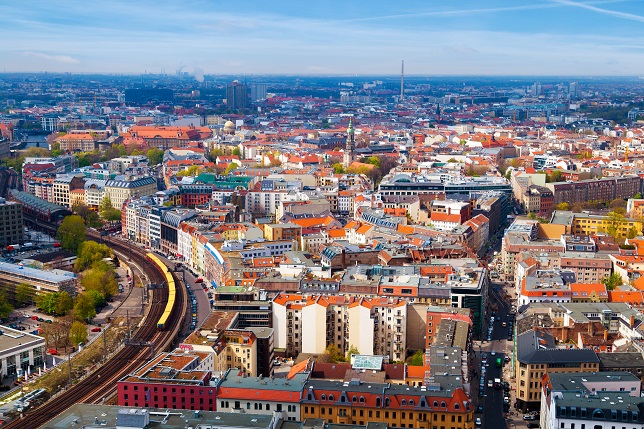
<point x="350" y="148"/>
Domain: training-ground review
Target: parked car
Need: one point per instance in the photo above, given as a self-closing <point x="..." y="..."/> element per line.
<point x="478" y="422"/>
<point x="533" y="425"/>
<point x="53" y="352"/>
<point x="199" y="280"/>
<point x="479" y="409"/>
<point x="96" y="329"/>
<point x="529" y="417"/>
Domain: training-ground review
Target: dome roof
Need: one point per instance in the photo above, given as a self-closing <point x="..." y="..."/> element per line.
<point x="229" y="125"/>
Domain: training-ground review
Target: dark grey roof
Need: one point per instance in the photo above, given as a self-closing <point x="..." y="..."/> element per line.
<point x="539" y="347"/>
<point x="136" y="183"/>
<point x="608" y="361"/>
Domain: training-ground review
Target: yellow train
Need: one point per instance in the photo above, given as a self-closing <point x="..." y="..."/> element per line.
<point x="172" y="290"/>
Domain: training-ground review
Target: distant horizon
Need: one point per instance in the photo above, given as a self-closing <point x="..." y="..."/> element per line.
<point x="338" y="75"/>
<point x="331" y="38"/>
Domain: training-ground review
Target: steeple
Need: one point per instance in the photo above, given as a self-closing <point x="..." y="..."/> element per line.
<point x="349" y="150"/>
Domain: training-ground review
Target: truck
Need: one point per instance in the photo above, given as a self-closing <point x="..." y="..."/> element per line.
<point x="28" y="245"/>
<point x="13" y="247"/>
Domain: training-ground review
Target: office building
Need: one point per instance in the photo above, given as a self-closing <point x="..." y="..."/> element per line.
<point x="11" y="231"/>
<point x="236" y="95"/>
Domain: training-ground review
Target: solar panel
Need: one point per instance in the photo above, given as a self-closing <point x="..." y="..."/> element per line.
<point x="367" y="362"/>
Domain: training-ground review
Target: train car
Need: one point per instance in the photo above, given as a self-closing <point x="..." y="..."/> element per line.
<point x="172" y="290"/>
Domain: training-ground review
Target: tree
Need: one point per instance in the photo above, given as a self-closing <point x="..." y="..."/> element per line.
<point x="638" y="196"/>
<point x="115" y="261"/>
<point x="97" y="299"/>
<point x="192" y="171"/>
<point x="614" y="224"/>
<point x="89" y="253"/>
<point x="57" y="334"/>
<point x="417" y="359"/>
<point x="78" y="333"/>
<point x="100" y="278"/>
<point x="612" y="281"/>
<point x="232" y="166"/>
<point x="107" y="210"/>
<point x="555" y="176"/>
<point x="47" y="302"/>
<point x="237" y="152"/>
<point x="63" y="303"/>
<point x="24" y="293"/>
<point x="333" y="355"/>
<point x="353" y="350"/>
<point x="563" y="206"/>
<point x="71" y="233"/>
<point x="5" y="307"/>
<point x="155" y="156"/>
<point x="338" y="168"/>
<point x="216" y="153"/>
<point x="84" y="309"/>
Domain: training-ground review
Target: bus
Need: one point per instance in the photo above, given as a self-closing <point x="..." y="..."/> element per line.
<point x="498" y="362"/>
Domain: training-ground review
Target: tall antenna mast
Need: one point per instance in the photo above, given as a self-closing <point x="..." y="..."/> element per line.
<point x="402" y="81"/>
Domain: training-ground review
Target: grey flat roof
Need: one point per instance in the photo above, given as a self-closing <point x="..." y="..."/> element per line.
<point x="538" y="347"/>
<point x="575" y="380"/>
<point x="34" y="273"/>
<point x="14" y="339"/>
<point x="620" y="360"/>
<point x="85" y="415"/>
<point x="233" y="379"/>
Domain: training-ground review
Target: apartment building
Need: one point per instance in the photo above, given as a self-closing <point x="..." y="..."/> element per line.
<point x="239" y="394"/>
<point x="595" y="189"/>
<point x="309" y="324"/>
<point x="121" y="190"/>
<point x="11" y="231"/>
<point x="537" y="356"/>
<point x="82" y="142"/>
<point x="587" y="224"/>
<point x="600" y="401"/>
<point x="358" y="402"/>
<point x="63" y="186"/>
<point x="176" y="380"/>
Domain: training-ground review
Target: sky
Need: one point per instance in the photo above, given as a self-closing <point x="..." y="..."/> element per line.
<point x="330" y="37"/>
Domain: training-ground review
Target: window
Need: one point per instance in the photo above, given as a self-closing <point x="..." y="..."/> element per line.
<point x="323" y="397"/>
<point x="403" y="402"/>
<point x="331" y="398"/>
<point x="354" y="399"/>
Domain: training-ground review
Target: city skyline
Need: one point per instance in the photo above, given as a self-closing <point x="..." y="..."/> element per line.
<point x="558" y="37"/>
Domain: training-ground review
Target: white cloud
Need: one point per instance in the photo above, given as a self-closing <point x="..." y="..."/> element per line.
<point x="66" y="59"/>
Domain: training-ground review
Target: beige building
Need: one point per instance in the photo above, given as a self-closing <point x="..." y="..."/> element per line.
<point x="309" y="324"/>
<point x="537" y="355"/>
<point x="64" y="184"/>
<point x="121" y="190"/>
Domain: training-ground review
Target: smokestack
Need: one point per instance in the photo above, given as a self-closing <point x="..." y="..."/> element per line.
<point x="632" y="321"/>
<point x="605" y="335"/>
<point x="590" y="328"/>
<point x="402" y="81"/>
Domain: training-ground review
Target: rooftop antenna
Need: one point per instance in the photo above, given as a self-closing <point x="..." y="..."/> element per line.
<point x="402" y="81"/>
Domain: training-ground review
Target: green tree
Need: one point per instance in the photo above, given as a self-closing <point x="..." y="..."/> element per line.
<point x="614" y="224"/>
<point x="84" y="309"/>
<point x="555" y="176"/>
<point x="71" y="233"/>
<point x="353" y="350"/>
<point x="338" y="168"/>
<point x="78" y="333"/>
<point x="612" y="281"/>
<point x="98" y="300"/>
<point x="216" y="153"/>
<point x="417" y="359"/>
<point x="155" y="156"/>
<point x="563" y="206"/>
<point x="115" y="261"/>
<point x="24" y="294"/>
<point x="89" y="253"/>
<point x="5" y="307"/>
<point x="638" y="196"/>
<point x="232" y="166"/>
<point x="101" y="278"/>
<point x="237" y="152"/>
<point x="63" y="303"/>
<point x="333" y="355"/>
<point x="107" y="210"/>
<point x="192" y="171"/>
<point x="93" y="221"/>
<point x="47" y="302"/>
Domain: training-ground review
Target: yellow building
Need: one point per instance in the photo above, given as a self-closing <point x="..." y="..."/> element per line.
<point x="397" y="405"/>
<point x="586" y="224"/>
<point x="537" y="355"/>
<point x="283" y="232"/>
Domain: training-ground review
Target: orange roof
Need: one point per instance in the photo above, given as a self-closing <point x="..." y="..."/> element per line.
<point x="336" y="233"/>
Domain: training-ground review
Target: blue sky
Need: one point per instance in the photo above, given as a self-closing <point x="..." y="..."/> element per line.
<point x="468" y="37"/>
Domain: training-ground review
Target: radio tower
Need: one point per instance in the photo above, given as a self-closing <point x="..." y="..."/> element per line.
<point x="402" y="82"/>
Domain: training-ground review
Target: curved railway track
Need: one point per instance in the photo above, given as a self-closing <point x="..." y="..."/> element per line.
<point x="101" y="384"/>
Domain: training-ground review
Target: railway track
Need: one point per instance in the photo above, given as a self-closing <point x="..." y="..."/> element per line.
<point x="101" y="384"/>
